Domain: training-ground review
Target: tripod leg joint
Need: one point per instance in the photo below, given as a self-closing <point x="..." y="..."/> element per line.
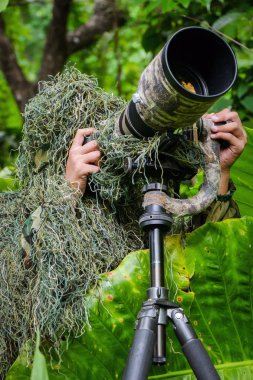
<point x="181" y="325"/>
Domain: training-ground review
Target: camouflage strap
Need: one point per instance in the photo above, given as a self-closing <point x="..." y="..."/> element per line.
<point x="218" y="210"/>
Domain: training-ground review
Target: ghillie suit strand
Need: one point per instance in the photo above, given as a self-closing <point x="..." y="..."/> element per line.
<point x="55" y="244"/>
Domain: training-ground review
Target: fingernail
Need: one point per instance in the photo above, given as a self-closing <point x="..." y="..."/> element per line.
<point x="214" y="128"/>
<point x="214" y="117"/>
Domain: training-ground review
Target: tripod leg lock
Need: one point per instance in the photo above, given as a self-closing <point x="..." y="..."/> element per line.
<point x="181" y="325"/>
<point x="146" y="320"/>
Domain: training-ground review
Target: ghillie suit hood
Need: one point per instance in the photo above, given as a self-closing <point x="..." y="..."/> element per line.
<point x="54" y="243"/>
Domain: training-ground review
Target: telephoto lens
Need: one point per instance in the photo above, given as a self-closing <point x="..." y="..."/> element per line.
<point x="194" y="68"/>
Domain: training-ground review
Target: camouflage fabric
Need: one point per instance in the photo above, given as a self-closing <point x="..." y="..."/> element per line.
<point x="216" y="212"/>
<point x="29" y="232"/>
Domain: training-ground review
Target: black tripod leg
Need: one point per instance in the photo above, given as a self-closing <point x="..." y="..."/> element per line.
<point x="140" y="356"/>
<point x="193" y="348"/>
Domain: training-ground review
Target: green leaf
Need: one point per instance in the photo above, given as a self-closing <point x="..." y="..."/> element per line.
<point x="7" y="180"/>
<point x="211" y="278"/>
<point x="247" y="102"/>
<point x="226" y="19"/>
<point x="168" y="6"/>
<point x="185" y="3"/>
<point x="39" y="370"/>
<point x="3" y="4"/>
<point x="241" y="173"/>
<point x="242" y="90"/>
<point x="206" y="3"/>
<point x="7" y="184"/>
<point x="244" y="58"/>
<point x="224" y="102"/>
<point x="190" y="188"/>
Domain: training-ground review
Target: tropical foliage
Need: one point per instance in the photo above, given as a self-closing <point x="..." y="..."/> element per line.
<point x="209" y="271"/>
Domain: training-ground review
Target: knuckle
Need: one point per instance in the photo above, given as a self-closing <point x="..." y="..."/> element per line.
<point x="241" y="146"/>
<point x="79" y="132"/>
<point x="88" y="131"/>
<point x="95" y="144"/>
<point x="233" y="114"/>
<point x="97" y="154"/>
<point x="93" y="156"/>
<point x="72" y="152"/>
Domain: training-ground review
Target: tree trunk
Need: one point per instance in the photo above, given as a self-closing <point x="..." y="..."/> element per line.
<point x="21" y="88"/>
<point x="59" y="45"/>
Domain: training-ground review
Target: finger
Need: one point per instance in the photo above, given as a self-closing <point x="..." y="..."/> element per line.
<point x="229" y="137"/>
<point x="226" y="115"/>
<point x="229" y="128"/>
<point x="208" y="115"/>
<point x="80" y="135"/>
<point x="91" y="157"/>
<point x="89" y="147"/>
<point x="88" y="169"/>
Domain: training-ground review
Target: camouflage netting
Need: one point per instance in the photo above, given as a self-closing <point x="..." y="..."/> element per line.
<point x="67" y="241"/>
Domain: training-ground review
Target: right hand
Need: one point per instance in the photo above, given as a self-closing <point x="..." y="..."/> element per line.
<point x="82" y="160"/>
<point x="232" y="132"/>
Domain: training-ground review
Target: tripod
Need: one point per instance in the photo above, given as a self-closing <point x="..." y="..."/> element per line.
<point x="149" y="342"/>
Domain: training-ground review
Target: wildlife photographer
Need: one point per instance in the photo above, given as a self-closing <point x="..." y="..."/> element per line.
<point x="69" y="236"/>
<point x="84" y="158"/>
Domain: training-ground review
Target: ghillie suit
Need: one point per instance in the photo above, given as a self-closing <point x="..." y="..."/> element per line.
<point x="54" y="244"/>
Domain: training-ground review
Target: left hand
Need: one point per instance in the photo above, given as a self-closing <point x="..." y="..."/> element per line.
<point x="232" y="133"/>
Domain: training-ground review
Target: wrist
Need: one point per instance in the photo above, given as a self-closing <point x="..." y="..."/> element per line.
<point x="226" y="197"/>
<point x="224" y="182"/>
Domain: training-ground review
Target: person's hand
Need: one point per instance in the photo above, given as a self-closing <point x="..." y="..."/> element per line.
<point x="232" y="133"/>
<point x="82" y="160"/>
<point x="234" y="137"/>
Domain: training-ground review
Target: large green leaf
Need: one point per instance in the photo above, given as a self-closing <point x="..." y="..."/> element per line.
<point x="3" y="4"/>
<point x="242" y="175"/>
<point x="212" y="279"/>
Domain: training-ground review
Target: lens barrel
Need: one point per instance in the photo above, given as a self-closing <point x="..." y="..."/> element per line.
<point x="194" y="68"/>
